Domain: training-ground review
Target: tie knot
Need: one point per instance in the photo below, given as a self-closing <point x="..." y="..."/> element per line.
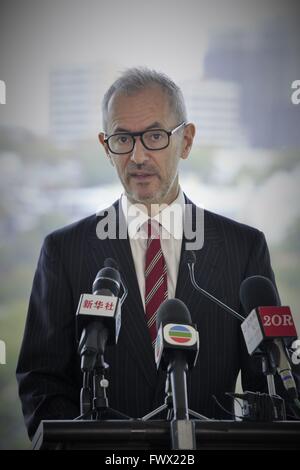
<point x="153" y="229"/>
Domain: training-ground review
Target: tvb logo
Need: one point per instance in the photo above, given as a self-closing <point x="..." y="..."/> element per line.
<point x="295" y="98"/>
<point x="2" y="92"/>
<point x="2" y="353"/>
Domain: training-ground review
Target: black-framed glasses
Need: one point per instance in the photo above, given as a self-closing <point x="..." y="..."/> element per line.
<point x="152" y="139"/>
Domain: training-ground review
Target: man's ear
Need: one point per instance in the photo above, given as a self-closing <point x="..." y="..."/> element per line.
<point x="101" y="137"/>
<point x="188" y="137"/>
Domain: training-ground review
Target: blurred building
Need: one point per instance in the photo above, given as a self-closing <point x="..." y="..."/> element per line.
<point x="264" y="63"/>
<point x="214" y="107"/>
<point x="75" y="101"/>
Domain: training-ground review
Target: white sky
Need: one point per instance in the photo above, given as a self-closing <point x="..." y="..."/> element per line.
<point x="171" y="35"/>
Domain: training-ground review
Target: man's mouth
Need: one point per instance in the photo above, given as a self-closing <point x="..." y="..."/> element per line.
<point x="141" y="175"/>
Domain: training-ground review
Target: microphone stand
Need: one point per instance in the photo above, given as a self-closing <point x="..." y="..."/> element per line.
<point x="176" y="403"/>
<point x="101" y="408"/>
<point x="270" y="361"/>
<point x="85" y="396"/>
<point x="168" y="405"/>
<point x="91" y="348"/>
<point x="97" y="407"/>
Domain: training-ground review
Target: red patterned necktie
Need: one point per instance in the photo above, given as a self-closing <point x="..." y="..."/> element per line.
<point x="156" y="284"/>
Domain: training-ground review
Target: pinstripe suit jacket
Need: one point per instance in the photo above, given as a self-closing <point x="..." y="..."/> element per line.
<point x="48" y="370"/>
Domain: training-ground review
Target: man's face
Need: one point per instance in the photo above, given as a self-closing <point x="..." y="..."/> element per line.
<point x="148" y="176"/>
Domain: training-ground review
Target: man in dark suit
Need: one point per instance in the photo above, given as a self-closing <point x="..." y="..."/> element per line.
<point x="146" y="135"/>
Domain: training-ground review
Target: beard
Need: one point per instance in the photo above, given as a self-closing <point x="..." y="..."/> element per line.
<point x="152" y="195"/>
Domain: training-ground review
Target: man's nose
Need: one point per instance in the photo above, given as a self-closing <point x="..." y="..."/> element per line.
<point x="138" y="154"/>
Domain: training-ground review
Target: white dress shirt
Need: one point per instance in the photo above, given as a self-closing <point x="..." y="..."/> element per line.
<point x="170" y="218"/>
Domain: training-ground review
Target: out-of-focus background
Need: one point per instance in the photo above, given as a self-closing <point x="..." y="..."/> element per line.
<point x="236" y="61"/>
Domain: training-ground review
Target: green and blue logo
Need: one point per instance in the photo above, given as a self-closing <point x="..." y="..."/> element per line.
<point x="180" y="334"/>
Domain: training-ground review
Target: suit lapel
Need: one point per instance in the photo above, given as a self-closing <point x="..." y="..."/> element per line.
<point x="134" y="332"/>
<point x="209" y="259"/>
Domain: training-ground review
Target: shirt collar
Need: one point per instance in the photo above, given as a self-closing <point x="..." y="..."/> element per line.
<point x="170" y="217"/>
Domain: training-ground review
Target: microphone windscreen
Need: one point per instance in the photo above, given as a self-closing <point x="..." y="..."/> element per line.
<point x="258" y="291"/>
<point x="107" y="279"/>
<point x="111" y="263"/>
<point x="173" y="311"/>
<point x="189" y="257"/>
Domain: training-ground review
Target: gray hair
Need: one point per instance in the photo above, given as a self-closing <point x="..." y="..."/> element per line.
<point x="137" y="79"/>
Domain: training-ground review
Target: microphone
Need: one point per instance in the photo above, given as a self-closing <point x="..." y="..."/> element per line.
<point x="275" y="348"/>
<point x="98" y="325"/>
<point x="189" y="258"/>
<point x="176" y="350"/>
<point x="108" y="281"/>
<point x="99" y="315"/>
<point x="267" y="325"/>
<point x="259" y="287"/>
